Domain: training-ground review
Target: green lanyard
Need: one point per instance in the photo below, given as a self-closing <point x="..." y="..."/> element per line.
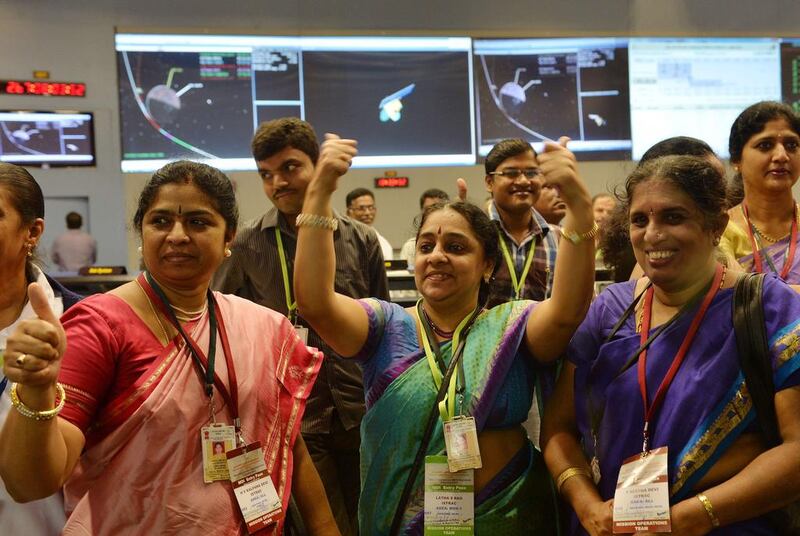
<point x="447" y="407"/>
<point x="518" y="284"/>
<point x="291" y="305"/>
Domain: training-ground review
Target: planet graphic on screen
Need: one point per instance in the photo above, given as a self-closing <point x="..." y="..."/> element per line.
<point x="163" y="103"/>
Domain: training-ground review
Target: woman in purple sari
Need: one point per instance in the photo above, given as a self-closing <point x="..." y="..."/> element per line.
<point x="721" y="478"/>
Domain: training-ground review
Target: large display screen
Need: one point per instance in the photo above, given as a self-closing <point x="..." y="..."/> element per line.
<point x="790" y="72"/>
<point x="697" y="86"/>
<point x="47" y="138"/>
<point x="541" y="89"/>
<point x="407" y="100"/>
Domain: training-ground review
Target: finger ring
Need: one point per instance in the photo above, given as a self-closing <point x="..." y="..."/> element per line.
<point x="21" y="359"/>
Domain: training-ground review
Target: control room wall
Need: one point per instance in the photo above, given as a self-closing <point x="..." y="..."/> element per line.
<point x="75" y="42"/>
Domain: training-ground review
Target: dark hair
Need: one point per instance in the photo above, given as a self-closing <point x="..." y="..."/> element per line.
<point x="272" y="137"/>
<point x="749" y="123"/>
<point x="355" y="194"/>
<point x="211" y="181"/>
<point x="433" y="193"/>
<point x="25" y="196"/>
<point x="615" y="241"/>
<point x="74" y="220"/>
<point x="678" y="145"/>
<point x="481" y="226"/>
<point x="693" y="175"/>
<point x="753" y="120"/>
<point x="505" y="149"/>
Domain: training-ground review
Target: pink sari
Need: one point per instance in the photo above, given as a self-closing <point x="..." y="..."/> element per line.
<point x="141" y="471"/>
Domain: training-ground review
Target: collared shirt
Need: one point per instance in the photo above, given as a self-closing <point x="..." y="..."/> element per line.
<point x="253" y="271"/>
<point x="539" y="282"/>
<point x="73" y="250"/>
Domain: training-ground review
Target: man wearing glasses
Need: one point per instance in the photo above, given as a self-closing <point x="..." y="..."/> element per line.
<point x="361" y="207"/>
<point x="527" y="243"/>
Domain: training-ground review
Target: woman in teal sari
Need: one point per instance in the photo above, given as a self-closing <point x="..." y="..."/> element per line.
<point x="456" y="252"/>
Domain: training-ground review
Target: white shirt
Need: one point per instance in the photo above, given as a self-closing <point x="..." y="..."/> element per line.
<point x="45" y="516"/>
<point x="386" y="247"/>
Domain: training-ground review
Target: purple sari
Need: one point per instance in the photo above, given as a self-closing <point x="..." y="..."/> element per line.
<point x="707" y="407"/>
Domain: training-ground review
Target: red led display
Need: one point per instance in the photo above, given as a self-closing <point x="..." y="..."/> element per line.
<point x="34" y="87"/>
<point x="391" y="182"/>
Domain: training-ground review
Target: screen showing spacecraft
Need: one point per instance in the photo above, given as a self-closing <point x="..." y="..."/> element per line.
<point x="541" y="89"/>
<point x="46" y="138"/>
<point x="202" y="97"/>
<point x="423" y="101"/>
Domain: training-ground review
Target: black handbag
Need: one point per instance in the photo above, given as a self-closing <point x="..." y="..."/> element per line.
<point x="754" y="359"/>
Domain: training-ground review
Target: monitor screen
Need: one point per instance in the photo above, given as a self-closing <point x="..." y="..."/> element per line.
<point x="542" y="89"/>
<point x="47" y="138"/>
<point x="790" y="72"/>
<point x="201" y="97"/>
<point x="698" y="86"/>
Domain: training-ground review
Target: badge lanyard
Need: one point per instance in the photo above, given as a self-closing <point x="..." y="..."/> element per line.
<point x="518" y="284"/>
<point x="204" y="365"/>
<point x="788" y="259"/>
<point x="651" y="409"/>
<point x="291" y="305"/>
<point x="447" y="407"/>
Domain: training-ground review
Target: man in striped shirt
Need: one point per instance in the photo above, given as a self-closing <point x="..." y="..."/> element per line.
<point x="260" y="269"/>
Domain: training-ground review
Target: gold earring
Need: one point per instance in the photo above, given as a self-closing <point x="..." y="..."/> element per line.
<point x="228" y="252"/>
<point x="30" y="249"/>
<point x="139" y="249"/>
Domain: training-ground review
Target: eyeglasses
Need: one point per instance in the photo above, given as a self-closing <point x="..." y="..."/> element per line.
<point x="364" y="208"/>
<point x="514" y="173"/>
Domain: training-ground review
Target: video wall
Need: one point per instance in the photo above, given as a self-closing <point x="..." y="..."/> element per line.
<point x="439" y="100"/>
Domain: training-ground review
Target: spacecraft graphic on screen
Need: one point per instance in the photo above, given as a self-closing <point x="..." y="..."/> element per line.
<point x="391" y="105"/>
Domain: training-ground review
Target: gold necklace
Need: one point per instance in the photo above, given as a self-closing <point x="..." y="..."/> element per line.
<point x="769" y="238"/>
<point x="155" y="314"/>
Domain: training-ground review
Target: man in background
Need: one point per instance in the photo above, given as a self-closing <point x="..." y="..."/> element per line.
<point x="550" y="205"/>
<point x="260" y="269"/>
<point x="74" y="248"/>
<point x="429" y="197"/>
<point x="361" y="206"/>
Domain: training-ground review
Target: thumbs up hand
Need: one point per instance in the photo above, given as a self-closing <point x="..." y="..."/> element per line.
<point x="33" y="351"/>
<point x="560" y="169"/>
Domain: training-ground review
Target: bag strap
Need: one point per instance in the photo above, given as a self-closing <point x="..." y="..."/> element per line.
<point x="433" y="416"/>
<point x="753" y="350"/>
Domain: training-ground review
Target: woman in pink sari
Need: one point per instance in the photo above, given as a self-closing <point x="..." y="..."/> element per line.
<point x="156" y="372"/>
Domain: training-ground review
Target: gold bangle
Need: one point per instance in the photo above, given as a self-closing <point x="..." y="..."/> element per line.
<point x="568" y="473"/>
<point x="576" y="238"/>
<point x="45" y="415"/>
<point x="709" y="509"/>
<point x="315" y="220"/>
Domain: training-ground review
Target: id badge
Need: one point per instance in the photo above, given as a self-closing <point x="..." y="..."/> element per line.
<point x="461" y="442"/>
<point x="641" y="501"/>
<point x="258" y="500"/>
<point x="302" y="332"/>
<point x="449" y="499"/>
<point x="215" y="441"/>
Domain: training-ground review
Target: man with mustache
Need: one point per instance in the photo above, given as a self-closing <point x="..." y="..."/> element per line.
<point x="260" y="269"/>
<point x="514" y="181"/>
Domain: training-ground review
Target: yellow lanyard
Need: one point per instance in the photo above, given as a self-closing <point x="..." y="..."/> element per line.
<point x="518" y="284"/>
<point x="291" y="305"/>
<point x="447" y="407"/>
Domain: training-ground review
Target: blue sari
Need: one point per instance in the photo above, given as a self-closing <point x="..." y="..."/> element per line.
<point x="707" y="406"/>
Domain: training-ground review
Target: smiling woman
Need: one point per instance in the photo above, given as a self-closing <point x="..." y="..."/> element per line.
<point x="657" y="359"/>
<point x="143" y="384"/>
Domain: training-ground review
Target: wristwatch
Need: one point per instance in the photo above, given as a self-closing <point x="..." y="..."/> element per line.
<point x="576" y="238"/>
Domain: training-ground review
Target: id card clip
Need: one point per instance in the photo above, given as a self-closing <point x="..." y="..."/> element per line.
<point x="461" y="442"/>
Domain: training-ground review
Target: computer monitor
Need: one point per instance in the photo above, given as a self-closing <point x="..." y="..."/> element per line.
<point x="53" y="138"/>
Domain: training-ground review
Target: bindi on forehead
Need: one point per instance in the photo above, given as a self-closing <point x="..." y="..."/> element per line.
<point x="180" y="209"/>
<point x="439" y="231"/>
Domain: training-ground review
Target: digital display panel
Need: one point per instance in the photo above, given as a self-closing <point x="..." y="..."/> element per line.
<point x="407" y="100"/>
<point x="698" y="86"/>
<point x="790" y="72"/>
<point x="542" y="89"/>
<point x="47" y="138"/>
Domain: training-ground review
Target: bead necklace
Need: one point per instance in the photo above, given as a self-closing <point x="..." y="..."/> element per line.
<point x="767" y="237"/>
<point x="436" y="329"/>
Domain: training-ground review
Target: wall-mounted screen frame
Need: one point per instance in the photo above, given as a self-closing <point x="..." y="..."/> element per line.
<point x="47" y="138"/>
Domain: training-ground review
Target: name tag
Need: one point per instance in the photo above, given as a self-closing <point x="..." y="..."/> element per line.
<point x="258" y="500"/>
<point x="302" y="332"/>
<point x="641" y="501"/>
<point x="461" y="442"/>
<point x="215" y="441"/>
<point x="449" y="499"/>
